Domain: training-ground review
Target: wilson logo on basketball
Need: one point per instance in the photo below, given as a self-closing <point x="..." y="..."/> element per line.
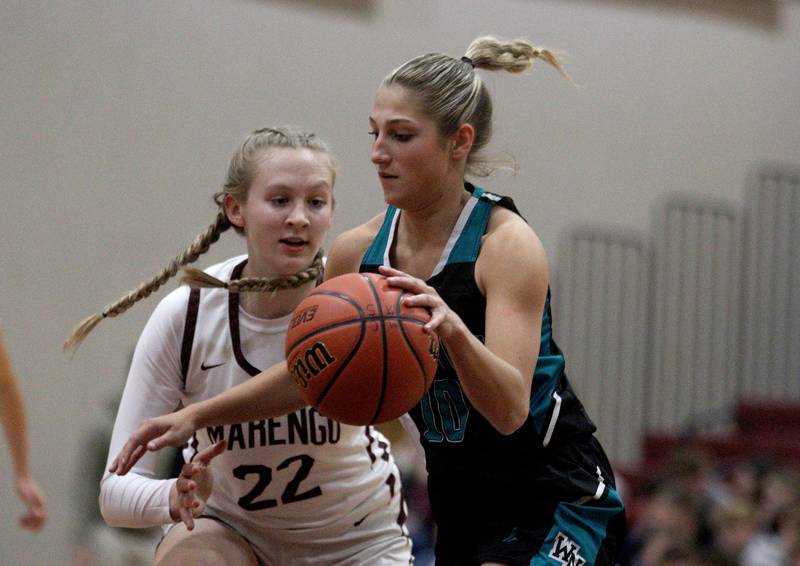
<point x="310" y="364"/>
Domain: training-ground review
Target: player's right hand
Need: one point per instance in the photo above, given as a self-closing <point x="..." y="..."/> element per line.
<point x="153" y="435"/>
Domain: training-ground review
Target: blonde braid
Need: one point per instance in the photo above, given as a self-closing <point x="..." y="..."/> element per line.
<point x="492" y="54"/>
<point x="198" y="247"/>
<point x="197" y="278"/>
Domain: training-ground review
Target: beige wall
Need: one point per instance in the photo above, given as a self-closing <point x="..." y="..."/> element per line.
<point x="117" y="120"/>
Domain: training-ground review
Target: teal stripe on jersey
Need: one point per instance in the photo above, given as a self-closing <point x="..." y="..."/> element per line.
<point x="374" y="255"/>
<point x="469" y="242"/>
<point x="578" y="532"/>
<point x="545" y="381"/>
<point x="548" y="372"/>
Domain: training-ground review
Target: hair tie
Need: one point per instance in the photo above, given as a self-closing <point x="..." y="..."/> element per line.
<point x="468" y="60"/>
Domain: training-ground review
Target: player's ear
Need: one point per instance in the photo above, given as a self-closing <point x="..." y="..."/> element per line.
<point x="233" y="209"/>
<point x="462" y="141"/>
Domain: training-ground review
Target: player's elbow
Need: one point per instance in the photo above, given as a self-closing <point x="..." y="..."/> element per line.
<point x="106" y="510"/>
<point x="110" y="511"/>
<point x="511" y="421"/>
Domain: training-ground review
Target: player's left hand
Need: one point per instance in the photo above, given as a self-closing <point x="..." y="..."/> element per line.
<point x="193" y="487"/>
<point x="172" y="429"/>
<point x="444" y="321"/>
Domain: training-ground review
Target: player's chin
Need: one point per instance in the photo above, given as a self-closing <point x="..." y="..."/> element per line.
<point x="298" y="261"/>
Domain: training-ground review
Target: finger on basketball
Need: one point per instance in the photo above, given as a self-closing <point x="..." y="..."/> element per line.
<point x="389" y="271"/>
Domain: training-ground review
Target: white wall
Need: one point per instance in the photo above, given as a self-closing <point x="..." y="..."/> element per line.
<point x="117" y="120"/>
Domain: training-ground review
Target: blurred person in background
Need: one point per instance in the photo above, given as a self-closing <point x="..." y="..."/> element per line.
<point x="12" y="414"/>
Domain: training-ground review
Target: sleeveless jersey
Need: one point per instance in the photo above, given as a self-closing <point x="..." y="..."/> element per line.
<point x="474" y="468"/>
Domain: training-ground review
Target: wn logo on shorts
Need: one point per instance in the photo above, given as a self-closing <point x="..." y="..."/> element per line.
<point x="566" y="551"/>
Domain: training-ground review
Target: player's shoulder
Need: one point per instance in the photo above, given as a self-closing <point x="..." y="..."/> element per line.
<point x="364" y="233"/>
<point x="349" y="247"/>
<point x="509" y="236"/>
<point x="504" y="222"/>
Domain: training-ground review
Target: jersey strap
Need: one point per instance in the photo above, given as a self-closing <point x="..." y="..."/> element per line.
<point x="468" y="244"/>
<point x="233" y="325"/>
<point x="376" y="253"/>
<point x="465" y="240"/>
<point x="192" y="308"/>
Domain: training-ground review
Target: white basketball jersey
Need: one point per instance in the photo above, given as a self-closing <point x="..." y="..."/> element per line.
<point x="299" y="472"/>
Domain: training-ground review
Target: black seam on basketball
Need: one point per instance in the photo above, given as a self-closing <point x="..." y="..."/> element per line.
<point x="384" y="373"/>
<point x="322" y="329"/>
<point x="342" y="296"/>
<point x="343" y="365"/>
<point x="411" y="347"/>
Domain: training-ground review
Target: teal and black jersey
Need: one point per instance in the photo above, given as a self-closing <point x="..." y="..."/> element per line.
<point x="464" y="452"/>
<point x="542" y="495"/>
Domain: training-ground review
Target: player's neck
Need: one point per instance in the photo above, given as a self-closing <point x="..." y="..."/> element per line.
<point x="274" y="304"/>
<point x="421" y="238"/>
<point x="271" y="304"/>
<point x="432" y="226"/>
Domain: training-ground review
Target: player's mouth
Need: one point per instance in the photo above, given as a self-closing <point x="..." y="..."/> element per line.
<point x="294" y="244"/>
<point x="384" y="175"/>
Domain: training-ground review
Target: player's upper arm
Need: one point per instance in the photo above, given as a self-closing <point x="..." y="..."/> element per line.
<point x="512" y="272"/>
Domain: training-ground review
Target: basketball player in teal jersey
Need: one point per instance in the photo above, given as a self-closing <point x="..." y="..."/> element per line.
<point x="515" y="473"/>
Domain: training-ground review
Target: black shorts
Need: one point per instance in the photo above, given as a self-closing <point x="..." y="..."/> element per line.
<point x="572" y="516"/>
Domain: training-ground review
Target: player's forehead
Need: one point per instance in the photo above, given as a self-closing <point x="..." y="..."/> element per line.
<point x="300" y="168"/>
<point x="396" y="105"/>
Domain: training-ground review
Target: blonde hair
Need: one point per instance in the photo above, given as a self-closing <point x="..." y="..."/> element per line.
<point x="242" y="170"/>
<point x="452" y="93"/>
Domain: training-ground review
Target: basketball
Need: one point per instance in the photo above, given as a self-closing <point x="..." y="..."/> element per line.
<point x="357" y="354"/>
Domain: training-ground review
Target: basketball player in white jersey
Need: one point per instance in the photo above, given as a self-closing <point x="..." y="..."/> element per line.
<point x="298" y="489"/>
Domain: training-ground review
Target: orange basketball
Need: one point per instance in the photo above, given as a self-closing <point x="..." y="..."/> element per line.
<point x="357" y="354"/>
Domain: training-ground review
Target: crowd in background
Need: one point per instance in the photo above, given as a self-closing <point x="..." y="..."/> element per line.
<point x="698" y="509"/>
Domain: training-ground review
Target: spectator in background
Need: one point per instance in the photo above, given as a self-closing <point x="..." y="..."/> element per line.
<point x="669" y="527"/>
<point x="780" y="492"/>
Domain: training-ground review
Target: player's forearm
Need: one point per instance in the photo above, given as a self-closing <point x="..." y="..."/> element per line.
<point x="269" y="394"/>
<point x="12" y="414"/>
<point x="494" y="387"/>
<point x="134" y="501"/>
